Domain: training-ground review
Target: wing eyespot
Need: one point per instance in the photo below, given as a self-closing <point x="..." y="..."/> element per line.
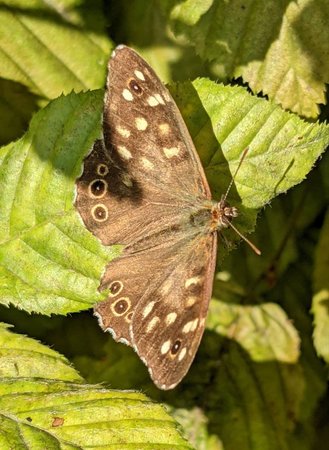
<point x="175" y="347"/>
<point x="129" y="317"/>
<point x="99" y="213"/>
<point x="102" y="170"/>
<point x="134" y="86"/>
<point x="115" y="288"/>
<point x="121" y="306"/>
<point x="97" y="188"/>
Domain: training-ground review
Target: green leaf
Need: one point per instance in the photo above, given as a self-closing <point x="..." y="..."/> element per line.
<point x="279" y="48"/>
<point x="143" y="24"/>
<point x="195" y="424"/>
<point x="223" y="121"/>
<point x="41" y="407"/>
<point x="278" y="232"/>
<point x="320" y="305"/>
<point x="84" y="416"/>
<point x="19" y="435"/>
<point x="53" y="47"/>
<point x="263" y="331"/>
<point x="294" y="290"/>
<point x="21" y="356"/>
<point x="258" y="382"/>
<point x="48" y="261"/>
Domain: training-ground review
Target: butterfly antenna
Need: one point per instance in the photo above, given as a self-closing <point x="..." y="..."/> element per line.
<point x="244" y="154"/>
<point x="251" y="245"/>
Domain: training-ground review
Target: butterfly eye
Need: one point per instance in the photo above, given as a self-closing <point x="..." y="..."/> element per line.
<point x="175" y="347"/>
<point x="135" y="87"/>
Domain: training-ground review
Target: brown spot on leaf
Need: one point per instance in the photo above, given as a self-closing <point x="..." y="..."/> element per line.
<point x="57" y="422"/>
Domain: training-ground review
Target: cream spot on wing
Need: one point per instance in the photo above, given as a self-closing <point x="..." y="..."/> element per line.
<point x="193" y="280"/>
<point x="194" y="325"/>
<point x="190" y="326"/>
<point x="123" y="131"/>
<point x="148" y="308"/>
<point x="139" y="75"/>
<point x="124" y="152"/>
<point x="165" y="347"/>
<point x="171" y="152"/>
<point x="126" y="180"/>
<point x="170" y="318"/>
<point x="152" y="101"/>
<point x="160" y="99"/>
<point x="141" y="123"/>
<point x="187" y="327"/>
<point x="166" y="287"/>
<point x="147" y="164"/>
<point x="152" y="323"/>
<point x="167" y="388"/>
<point x="190" y="301"/>
<point x="182" y="354"/>
<point x="164" y="128"/>
<point x="127" y="95"/>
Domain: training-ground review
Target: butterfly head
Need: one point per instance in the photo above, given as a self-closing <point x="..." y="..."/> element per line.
<point x="222" y="214"/>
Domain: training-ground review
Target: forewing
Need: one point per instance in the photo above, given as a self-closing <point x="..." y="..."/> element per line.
<point x="145" y="173"/>
<point x="141" y="117"/>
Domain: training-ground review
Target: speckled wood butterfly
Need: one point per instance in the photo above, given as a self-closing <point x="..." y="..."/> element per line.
<point x="143" y="186"/>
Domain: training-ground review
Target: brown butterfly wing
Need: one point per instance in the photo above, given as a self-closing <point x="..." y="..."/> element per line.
<point x="141" y="116"/>
<point x="143" y="186"/>
<point x="168" y="325"/>
<point x="146" y="165"/>
<point x="163" y="302"/>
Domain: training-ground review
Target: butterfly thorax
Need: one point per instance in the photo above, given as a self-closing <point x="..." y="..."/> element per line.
<point x="222" y="214"/>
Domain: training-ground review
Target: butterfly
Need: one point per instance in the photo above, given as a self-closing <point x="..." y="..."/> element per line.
<point x="143" y="186"/>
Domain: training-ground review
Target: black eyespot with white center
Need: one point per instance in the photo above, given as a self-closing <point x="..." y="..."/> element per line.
<point x="134" y="86"/>
<point x="98" y="188"/>
<point x="176" y="347"/>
